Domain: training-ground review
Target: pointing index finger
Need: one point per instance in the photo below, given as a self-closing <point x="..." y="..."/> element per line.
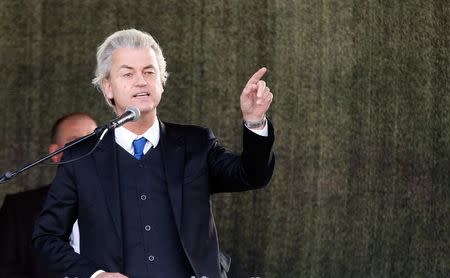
<point x="257" y="76"/>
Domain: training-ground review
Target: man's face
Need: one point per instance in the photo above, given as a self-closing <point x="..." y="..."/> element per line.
<point x="71" y="129"/>
<point x="134" y="80"/>
<point x="74" y="128"/>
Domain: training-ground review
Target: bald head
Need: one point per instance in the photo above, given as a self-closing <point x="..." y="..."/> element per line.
<point x="69" y="128"/>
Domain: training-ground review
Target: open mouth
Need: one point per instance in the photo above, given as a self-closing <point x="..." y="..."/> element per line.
<point x="142" y="94"/>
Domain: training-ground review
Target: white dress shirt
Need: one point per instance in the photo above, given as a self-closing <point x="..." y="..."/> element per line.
<point x="125" y="138"/>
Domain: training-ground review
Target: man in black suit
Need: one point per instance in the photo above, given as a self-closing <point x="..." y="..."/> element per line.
<point x="19" y="211"/>
<point x="142" y="198"/>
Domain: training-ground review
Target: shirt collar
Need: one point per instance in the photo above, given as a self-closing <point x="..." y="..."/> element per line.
<point x="125" y="138"/>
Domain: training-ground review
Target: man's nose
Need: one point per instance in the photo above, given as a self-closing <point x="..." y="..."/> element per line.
<point x="140" y="80"/>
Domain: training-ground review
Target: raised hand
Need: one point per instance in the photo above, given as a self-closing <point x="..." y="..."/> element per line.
<point x="256" y="97"/>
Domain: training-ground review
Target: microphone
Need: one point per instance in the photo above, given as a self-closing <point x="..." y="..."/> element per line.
<point x="132" y="114"/>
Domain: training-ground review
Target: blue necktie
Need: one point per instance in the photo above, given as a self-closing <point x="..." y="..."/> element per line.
<point x="138" y="146"/>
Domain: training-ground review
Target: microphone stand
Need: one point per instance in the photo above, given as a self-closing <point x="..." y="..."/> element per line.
<point x="8" y="175"/>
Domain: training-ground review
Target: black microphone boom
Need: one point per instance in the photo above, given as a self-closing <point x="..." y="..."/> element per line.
<point x="132" y="114"/>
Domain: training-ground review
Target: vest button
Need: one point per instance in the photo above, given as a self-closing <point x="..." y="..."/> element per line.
<point x="151" y="258"/>
<point x="143" y="197"/>
<point x="148" y="228"/>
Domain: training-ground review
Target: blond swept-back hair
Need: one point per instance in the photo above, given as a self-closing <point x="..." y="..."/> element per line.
<point x="130" y="38"/>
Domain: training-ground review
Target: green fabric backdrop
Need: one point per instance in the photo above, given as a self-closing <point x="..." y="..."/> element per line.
<point x="361" y="112"/>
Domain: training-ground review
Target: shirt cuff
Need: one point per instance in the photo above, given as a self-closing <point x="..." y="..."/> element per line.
<point x="97" y="273"/>
<point x="261" y="132"/>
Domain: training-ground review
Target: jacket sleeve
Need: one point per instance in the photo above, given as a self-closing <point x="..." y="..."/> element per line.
<point x="252" y="169"/>
<point x="54" y="225"/>
<point x="10" y="263"/>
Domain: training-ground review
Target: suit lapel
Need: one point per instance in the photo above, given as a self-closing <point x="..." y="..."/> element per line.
<point x="107" y="169"/>
<point x="173" y="151"/>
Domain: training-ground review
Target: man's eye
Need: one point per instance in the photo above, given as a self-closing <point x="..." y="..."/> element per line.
<point x="149" y="72"/>
<point x="127" y="75"/>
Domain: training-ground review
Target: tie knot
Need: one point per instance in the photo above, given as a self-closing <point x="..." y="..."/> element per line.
<point x="138" y="146"/>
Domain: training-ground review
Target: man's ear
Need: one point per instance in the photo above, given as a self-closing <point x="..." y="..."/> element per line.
<point x="52" y="148"/>
<point x="107" y="88"/>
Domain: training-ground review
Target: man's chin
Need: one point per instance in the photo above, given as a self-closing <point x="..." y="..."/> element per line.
<point x="144" y="108"/>
<point x="145" y="111"/>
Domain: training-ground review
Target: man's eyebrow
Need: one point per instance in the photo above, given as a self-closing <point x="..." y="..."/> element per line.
<point x="125" y="67"/>
<point x="129" y="67"/>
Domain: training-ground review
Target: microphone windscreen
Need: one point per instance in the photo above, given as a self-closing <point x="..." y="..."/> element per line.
<point x="135" y="111"/>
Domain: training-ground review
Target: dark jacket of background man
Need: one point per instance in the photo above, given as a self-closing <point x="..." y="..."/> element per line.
<point x="19" y="211"/>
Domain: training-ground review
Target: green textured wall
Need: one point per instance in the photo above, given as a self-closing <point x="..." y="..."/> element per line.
<point x="361" y="112"/>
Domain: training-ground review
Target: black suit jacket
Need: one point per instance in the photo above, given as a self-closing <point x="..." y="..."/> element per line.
<point x="195" y="165"/>
<point x="17" y="217"/>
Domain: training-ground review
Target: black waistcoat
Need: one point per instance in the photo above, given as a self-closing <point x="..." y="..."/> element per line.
<point x="152" y="247"/>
